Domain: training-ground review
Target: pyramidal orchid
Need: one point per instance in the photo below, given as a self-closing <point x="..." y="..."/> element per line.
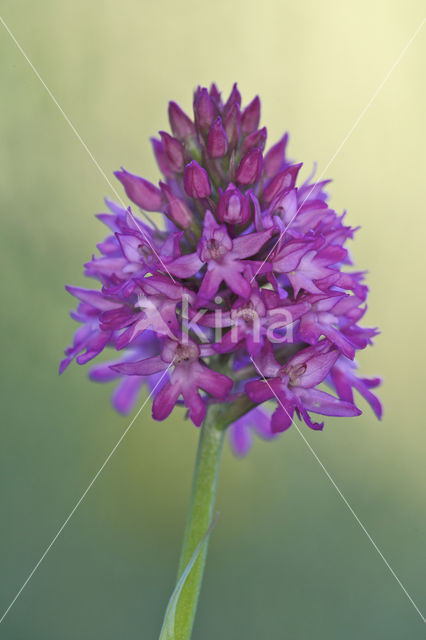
<point x="236" y="302"/>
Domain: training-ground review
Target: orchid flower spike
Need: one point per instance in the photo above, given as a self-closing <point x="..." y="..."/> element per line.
<point x="241" y="295"/>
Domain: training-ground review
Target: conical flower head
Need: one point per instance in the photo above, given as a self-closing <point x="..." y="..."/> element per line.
<point x="240" y="291"/>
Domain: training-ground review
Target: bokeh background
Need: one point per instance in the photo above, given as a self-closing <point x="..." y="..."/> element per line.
<point x="287" y="558"/>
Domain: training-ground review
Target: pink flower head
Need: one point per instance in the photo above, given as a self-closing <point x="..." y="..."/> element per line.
<point x="244" y="295"/>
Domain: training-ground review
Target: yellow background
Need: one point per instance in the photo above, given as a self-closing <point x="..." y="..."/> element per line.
<point x="288" y="559"/>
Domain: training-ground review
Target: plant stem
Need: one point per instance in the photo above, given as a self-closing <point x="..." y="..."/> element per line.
<point x="198" y="520"/>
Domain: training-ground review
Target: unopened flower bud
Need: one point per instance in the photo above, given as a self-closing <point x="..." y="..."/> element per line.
<point x="174" y="151"/>
<point x="251" y="116"/>
<point x="196" y="181"/>
<point x="233" y="207"/>
<point x="250" y="167"/>
<point x="140" y="191"/>
<point x="282" y="181"/>
<point x="255" y="139"/>
<point x="234" y="98"/>
<point x="161" y="157"/>
<point x="275" y="158"/>
<point x="204" y="109"/>
<point x="215" y="95"/>
<point x="217" y="142"/>
<point x="233" y="125"/>
<point x="182" y="126"/>
<point x="177" y="209"/>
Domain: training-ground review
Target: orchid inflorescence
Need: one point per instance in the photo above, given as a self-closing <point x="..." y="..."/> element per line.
<point x="241" y="297"/>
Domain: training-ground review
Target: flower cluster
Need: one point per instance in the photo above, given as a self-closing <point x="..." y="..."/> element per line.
<point x="243" y="295"/>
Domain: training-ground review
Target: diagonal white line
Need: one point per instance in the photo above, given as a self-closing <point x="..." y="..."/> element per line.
<point x="83" y="495"/>
<point x="80" y="139"/>
<point x="347" y="136"/>
<point x="342" y="496"/>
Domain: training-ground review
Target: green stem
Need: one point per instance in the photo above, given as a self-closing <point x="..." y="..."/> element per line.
<point x="198" y="520"/>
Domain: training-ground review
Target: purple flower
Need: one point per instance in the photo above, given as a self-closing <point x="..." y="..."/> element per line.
<point x="188" y="375"/>
<point x="196" y="181"/>
<point x="217" y="141"/>
<point x="244" y="295"/>
<point x="258" y="422"/>
<point x="174" y="151"/>
<point x="177" y="209"/>
<point x="275" y="159"/>
<point x="233" y="207"/>
<point x="255" y="139"/>
<point x="204" y="109"/>
<point x="251" y="116"/>
<point x="128" y="388"/>
<point x="140" y="191"/>
<point x="224" y="258"/>
<point x="293" y="386"/>
<point x="182" y="126"/>
<point x="250" y="167"/>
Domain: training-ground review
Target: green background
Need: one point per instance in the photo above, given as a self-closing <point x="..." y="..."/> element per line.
<point x="287" y="558"/>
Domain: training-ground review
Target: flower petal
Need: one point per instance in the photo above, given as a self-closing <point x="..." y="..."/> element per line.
<point x="141" y="368"/>
<point x="250" y="243"/>
<point x="126" y="394"/>
<point x="326" y="404"/>
<point x="259" y="391"/>
<point x="185" y="266"/>
<point x="217" y="384"/>
<point x="281" y="419"/>
<point x="240" y="438"/>
<point x="165" y="401"/>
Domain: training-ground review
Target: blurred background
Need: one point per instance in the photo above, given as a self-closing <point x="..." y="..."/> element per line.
<point x="287" y="558"/>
